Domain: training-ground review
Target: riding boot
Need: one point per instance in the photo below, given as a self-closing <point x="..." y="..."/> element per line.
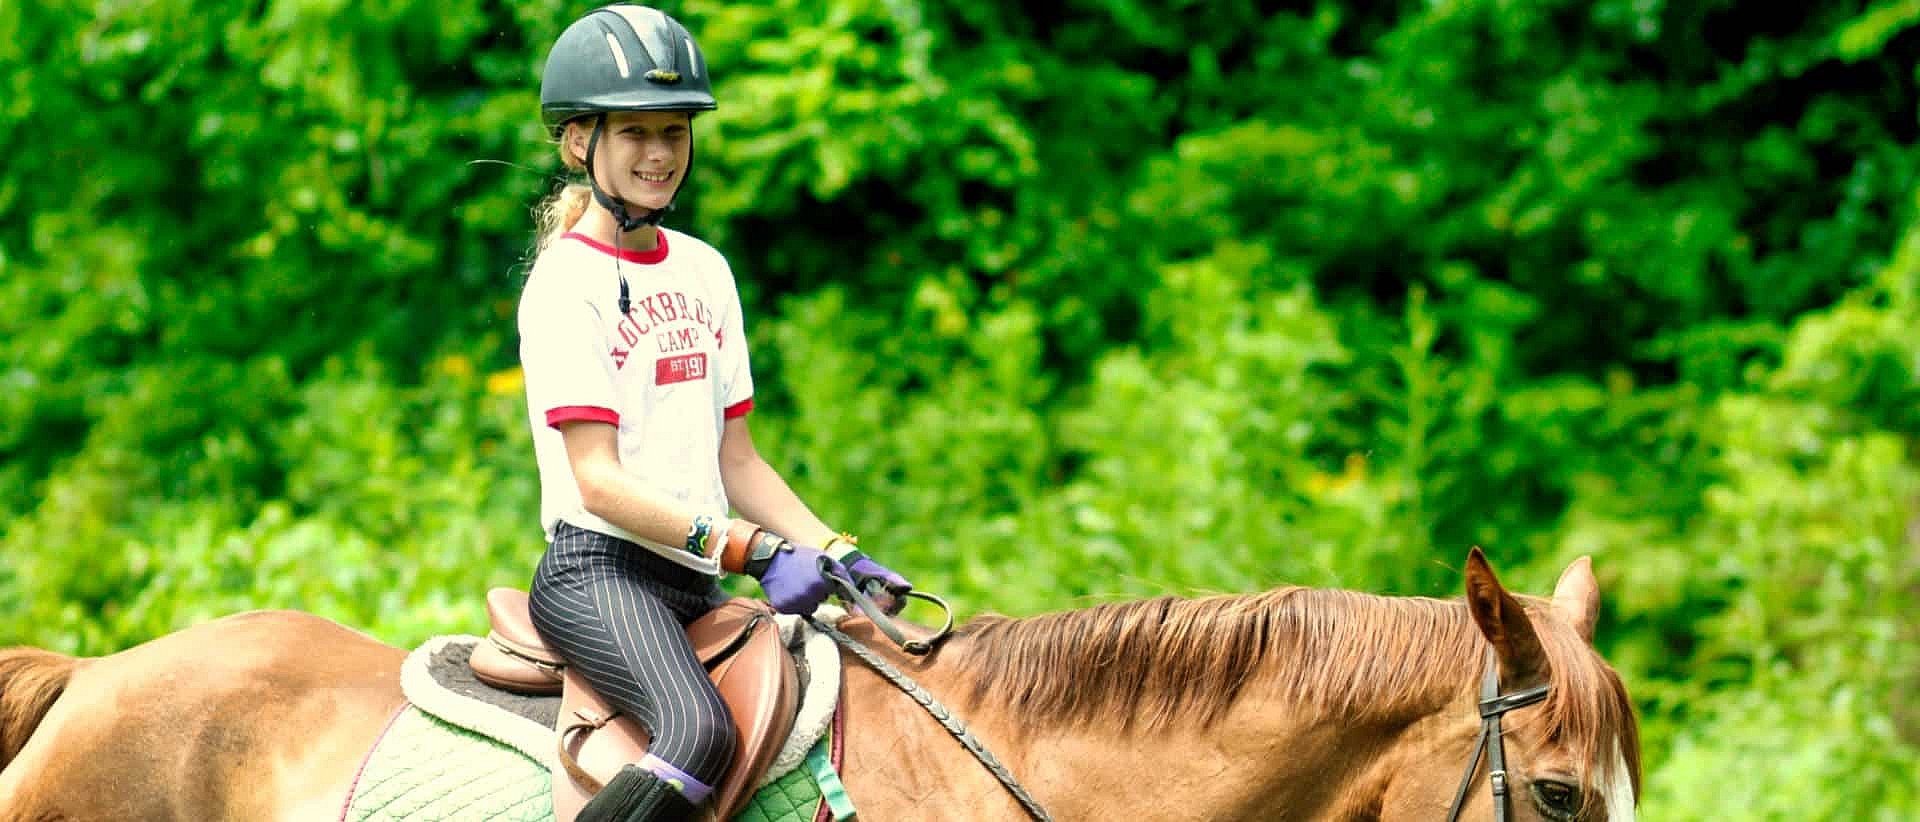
<point x="637" y="795"/>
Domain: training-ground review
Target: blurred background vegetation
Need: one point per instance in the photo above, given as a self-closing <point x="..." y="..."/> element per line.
<point x="1053" y="304"/>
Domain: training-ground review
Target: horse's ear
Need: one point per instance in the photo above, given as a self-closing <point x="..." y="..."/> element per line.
<point x="1503" y="620"/>
<point x="1577" y="597"/>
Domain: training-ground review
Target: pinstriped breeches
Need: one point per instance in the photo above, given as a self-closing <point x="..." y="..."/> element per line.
<point x="618" y="613"/>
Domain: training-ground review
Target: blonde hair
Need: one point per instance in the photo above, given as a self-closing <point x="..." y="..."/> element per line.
<point x="557" y="214"/>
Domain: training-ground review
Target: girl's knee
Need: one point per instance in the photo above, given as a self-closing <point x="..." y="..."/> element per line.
<point x="707" y="743"/>
<point x="719" y="736"/>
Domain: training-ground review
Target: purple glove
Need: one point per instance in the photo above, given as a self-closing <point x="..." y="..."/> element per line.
<point x="792" y="578"/>
<point x="886" y="588"/>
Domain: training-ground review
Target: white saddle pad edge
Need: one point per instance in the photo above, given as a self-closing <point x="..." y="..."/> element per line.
<point x="538" y="742"/>
<point x="822" y="658"/>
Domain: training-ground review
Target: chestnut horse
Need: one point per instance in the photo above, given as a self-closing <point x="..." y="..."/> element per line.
<point x="1288" y="704"/>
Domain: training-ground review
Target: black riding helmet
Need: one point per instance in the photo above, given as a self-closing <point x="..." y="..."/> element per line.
<point x="623" y="57"/>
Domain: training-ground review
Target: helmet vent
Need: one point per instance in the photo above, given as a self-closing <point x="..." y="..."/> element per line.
<point x="619" y="55"/>
<point x="694" y="55"/>
<point x="653" y="29"/>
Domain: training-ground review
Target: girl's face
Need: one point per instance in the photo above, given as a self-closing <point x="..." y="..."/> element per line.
<point x="642" y="154"/>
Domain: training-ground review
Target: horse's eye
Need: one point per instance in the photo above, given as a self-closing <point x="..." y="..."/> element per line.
<point x="1557" y="800"/>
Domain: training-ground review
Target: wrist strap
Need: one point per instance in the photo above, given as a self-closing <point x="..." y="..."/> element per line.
<point x="766" y="546"/>
<point x="733" y="556"/>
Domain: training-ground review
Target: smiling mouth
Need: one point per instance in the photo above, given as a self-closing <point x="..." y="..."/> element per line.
<point x="654" y="177"/>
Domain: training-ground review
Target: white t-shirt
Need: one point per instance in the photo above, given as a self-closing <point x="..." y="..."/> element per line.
<point x="668" y="375"/>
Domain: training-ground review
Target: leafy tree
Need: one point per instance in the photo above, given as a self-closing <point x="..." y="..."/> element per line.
<point x="1053" y="305"/>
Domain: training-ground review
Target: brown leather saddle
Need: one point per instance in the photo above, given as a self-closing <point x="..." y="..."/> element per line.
<point x="738" y="642"/>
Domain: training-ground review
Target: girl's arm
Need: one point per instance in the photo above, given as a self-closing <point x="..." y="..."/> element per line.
<point x="760" y="494"/>
<point x="791" y="576"/>
<point x="610" y="493"/>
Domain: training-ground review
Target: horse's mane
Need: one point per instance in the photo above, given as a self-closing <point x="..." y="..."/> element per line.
<point x="1153" y="662"/>
<point x="1150" y="663"/>
<point x="1588" y="704"/>
<point x="30" y="680"/>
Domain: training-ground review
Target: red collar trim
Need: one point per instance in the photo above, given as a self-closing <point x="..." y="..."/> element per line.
<point x="658" y="254"/>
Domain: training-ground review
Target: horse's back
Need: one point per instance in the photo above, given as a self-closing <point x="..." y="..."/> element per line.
<point x="259" y="715"/>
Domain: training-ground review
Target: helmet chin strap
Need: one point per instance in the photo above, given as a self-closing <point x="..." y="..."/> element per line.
<point x="615" y="205"/>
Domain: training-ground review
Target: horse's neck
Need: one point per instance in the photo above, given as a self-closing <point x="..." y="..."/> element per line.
<point x="1269" y="750"/>
<point x="1254" y="760"/>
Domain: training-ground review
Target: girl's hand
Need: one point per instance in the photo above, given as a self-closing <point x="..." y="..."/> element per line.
<point x="886" y="588"/>
<point x="793" y="581"/>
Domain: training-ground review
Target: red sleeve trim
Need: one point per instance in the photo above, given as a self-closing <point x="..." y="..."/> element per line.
<point x="581" y="413"/>
<point x="657" y="255"/>
<point x="740" y="409"/>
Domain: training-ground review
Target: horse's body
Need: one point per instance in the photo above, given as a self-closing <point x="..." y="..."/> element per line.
<point x="1291" y="704"/>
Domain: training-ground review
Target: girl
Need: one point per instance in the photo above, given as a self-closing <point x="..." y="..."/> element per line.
<point x="638" y="389"/>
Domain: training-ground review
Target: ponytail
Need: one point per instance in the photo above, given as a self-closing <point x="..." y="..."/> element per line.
<point x="557" y="214"/>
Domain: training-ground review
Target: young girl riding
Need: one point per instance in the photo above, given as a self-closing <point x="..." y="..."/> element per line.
<point x="638" y="391"/>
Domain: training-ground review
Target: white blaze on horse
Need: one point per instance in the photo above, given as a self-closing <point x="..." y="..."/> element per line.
<point x="1293" y="703"/>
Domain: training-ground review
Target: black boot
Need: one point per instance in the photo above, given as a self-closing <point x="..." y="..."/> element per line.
<point x="637" y="795"/>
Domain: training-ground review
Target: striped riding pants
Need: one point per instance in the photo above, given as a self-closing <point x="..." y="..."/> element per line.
<point x="617" y="612"/>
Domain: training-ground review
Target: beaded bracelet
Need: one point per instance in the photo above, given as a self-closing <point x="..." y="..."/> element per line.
<point x="698" y="534"/>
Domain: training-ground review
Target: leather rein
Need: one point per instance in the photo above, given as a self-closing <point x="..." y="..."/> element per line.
<point x="921" y="647"/>
<point x="1493" y="706"/>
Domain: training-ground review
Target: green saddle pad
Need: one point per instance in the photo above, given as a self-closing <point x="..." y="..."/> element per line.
<point x="427" y="769"/>
<point x="424" y="768"/>
<point x="791" y="798"/>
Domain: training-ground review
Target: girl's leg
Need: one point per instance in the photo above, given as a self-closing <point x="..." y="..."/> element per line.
<point x="615" y="613"/>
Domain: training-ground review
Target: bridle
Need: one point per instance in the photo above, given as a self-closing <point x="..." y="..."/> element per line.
<point x="1493" y="705"/>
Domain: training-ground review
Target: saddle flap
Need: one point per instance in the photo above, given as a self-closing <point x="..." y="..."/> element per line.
<point x="721" y="629"/>
<point x="757" y="680"/>
<point x="762" y="690"/>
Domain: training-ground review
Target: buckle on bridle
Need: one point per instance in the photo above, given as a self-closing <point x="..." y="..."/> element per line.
<point x="1493" y="705"/>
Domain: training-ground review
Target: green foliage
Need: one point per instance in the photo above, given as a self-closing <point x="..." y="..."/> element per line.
<point x="1051" y="305"/>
